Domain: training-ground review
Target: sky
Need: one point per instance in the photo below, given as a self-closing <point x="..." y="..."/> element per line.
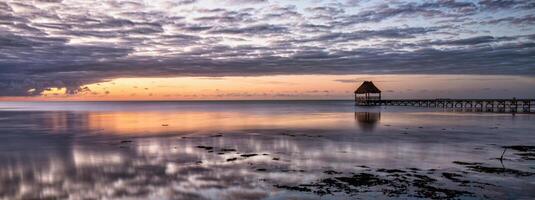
<point x="264" y="49"/>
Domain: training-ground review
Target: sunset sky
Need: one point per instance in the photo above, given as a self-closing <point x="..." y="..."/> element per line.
<point x="264" y="49"/>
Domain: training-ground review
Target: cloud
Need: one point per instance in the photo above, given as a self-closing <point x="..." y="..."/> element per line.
<point x="46" y="43"/>
<point x="396" y="33"/>
<point x="262" y="29"/>
<point x="448" y="8"/>
<point x="246" y="1"/>
<point x="522" y="20"/>
<point x="346" y="80"/>
<point x="473" y="40"/>
<point x="506" y="4"/>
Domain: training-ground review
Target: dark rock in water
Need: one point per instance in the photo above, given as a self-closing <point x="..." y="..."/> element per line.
<point x="425" y="189"/>
<point x="218" y="135"/>
<point x="396" y="184"/>
<point x="220" y="153"/>
<point x="423" y="179"/>
<point x="261" y="170"/>
<point x="521" y="148"/>
<point x="362" y="179"/>
<point x="331" y="172"/>
<point x="205" y="147"/>
<point x="287" y="134"/>
<point x="249" y="155"/>
<point x="466" y="163"/>
<point x="231" y="159"/>
<point x="498" y="170"/>
<point x="440" y="193"/>
<point x="226" y="149"/>
<point x="455" y="177"/>
<point x="452" y="176"/>
<point x="289" y="170"/>
<point x="391" y="170"/>
<point x="276" y="158"/>
<point x="527" y="156"/>
<point x="312" y="136"/>
<point x="479" y="167"/>
<point x="126" y="141"/>
<point x="293" y="188"/>
<point x="265" y="154"/>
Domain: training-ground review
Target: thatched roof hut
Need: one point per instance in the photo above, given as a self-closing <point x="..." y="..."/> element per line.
<point x="367" y="87"/>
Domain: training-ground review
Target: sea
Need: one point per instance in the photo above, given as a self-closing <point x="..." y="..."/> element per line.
<point x="262" y="150"/>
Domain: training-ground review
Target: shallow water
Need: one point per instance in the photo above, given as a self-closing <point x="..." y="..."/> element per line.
<point x="260" y="150"/>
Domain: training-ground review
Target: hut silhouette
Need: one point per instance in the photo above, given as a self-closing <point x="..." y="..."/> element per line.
<point x="366" y="93"/>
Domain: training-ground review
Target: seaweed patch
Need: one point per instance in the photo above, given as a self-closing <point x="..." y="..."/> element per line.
<point x="479" y="167"/>
<point x="396" y="183"/>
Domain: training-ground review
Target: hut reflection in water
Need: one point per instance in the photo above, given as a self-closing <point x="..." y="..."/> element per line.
<point x="367" y="120"/>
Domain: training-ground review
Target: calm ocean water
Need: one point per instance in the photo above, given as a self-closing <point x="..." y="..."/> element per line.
<point x="261" y="150"/>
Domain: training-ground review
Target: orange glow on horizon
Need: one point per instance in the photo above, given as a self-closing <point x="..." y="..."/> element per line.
<point x="284" y="87"/>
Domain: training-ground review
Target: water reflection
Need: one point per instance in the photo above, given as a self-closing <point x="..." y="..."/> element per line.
<point x="237" y="155"/>
<point x="155" y="123"/>
<point x="367" y="120"/>
<point x="178" y="167"/>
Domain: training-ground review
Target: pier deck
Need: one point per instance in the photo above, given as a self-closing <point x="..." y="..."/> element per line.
<point x="498" y="105"/>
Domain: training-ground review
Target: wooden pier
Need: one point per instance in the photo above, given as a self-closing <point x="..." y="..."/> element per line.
<point x="369" y="95"/>
<point x="487" y="105"/>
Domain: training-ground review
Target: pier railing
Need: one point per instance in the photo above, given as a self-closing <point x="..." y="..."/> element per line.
<point x="493" y="105"/>
<point x="367" y="98"/>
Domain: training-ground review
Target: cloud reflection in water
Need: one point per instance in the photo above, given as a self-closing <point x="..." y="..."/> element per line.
<point x="99" y="155"/>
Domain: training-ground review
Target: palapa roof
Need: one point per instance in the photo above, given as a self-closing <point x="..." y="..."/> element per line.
<point x="367" y="87"/>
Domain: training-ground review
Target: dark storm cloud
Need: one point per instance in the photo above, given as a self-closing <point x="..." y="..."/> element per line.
<point x="262" y="29"/>
<point x="227" y="17"/>
<point x="523" y="20"/>
<point x="352" y="2"/>
<point x="186" y="2"/>
<point x="325" y="12"/>
<point x="193" y="27"/>
<point x="448" y="8"/>
<point x="473" y="40"/>
<point x="282" y="13"/>
<point x="367" y="34"/>
<point x="505" y="4"/>
<point x="46" y="44"/>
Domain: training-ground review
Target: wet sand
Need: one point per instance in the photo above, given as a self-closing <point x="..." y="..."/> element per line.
<point x="289" y="150"/>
